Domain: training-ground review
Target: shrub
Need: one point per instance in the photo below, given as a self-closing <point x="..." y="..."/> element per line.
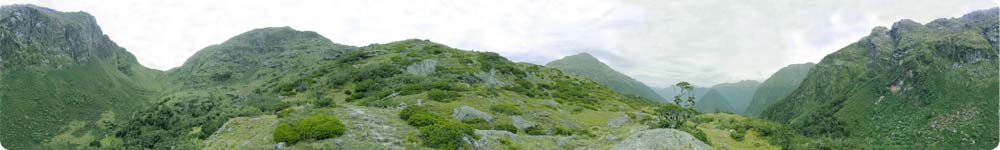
<point x="320" y="127"/>
<point x="285" y="133"/>
<point x="563" y="131"/>
<point x="324" y="102"/>
<point x="411" y="89"/>
<point x="411" y="110"/>
<point x="738" y="135"/>
<point x="506" y="109"/>
<point x="478" y="123"/>
<point x="284" y="113"/>
<point x="697" y="133"/>
<point x="423" y="119"/>
<point x="535" y="130"/>
<point x="315" y="127"/>
<point x="418" y="116"/>
<point x="442" y="96"/>
<point x="446" y="135"/>
<point x="507" y="127"/>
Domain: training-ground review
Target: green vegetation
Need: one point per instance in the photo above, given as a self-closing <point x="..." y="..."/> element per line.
<point x="442" y="95"/>
<point x="585" y="65"/>
<point x="713" y="101"/>
<point x="915" y="85"/>
<point x="776" y="87"/>
<point x="316" y="127"/>
<point x="507" y="110"/>
<point x="446" y="135"/>
<point x="738" y="95"/>
<point x="929" y="86"/>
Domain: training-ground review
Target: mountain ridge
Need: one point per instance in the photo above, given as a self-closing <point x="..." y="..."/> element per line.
<point x="586" y="65"/>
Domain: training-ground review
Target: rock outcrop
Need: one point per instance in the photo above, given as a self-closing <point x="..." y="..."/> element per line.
<point x="661" y="139"/>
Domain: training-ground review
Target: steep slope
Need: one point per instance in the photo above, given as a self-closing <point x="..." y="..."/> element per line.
<point x="59" y="74"/>
<point x="671" y="91"/>
<point x="713" y="101"/>
<point x="912" y="86"/>
<point x="776" y="87"/>
<point x="585" y="65"/>
<point x="739" y="94"/>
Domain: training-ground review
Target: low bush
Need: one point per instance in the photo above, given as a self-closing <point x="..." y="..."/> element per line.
<point x="446" y="135"/>
<point x="738" y="135"/>
<point x="419" y="116"/>
<point x="507" y="110"/>
<point x="315" y="127"/>
<point x="535" y="130"/>
<point x="442" y="95"/>
<point x="506" y="127"/>
<point x="284" y="113"/>
<point x="285" y="133"/>
<point x="423" y="119"/>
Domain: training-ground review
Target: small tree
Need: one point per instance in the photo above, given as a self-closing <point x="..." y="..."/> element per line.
<point x="674" y="116"/>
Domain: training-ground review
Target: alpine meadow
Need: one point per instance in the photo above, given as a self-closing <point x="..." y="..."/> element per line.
<point x="582" y="75"/>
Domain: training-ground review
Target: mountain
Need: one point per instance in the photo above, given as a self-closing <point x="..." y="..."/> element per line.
<point x="713" y="101"/>
<point x="67" y="86"/>
<point x="671" y="91"/>
<point x="776" y="87"/>
<point x="58" y="71"/>
<point x="925" y="86"/>
<point x="585" y="65"/>
<point x="739" y="94"/>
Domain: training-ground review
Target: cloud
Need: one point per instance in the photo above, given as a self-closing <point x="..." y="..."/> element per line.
<point x="658" y="42"/>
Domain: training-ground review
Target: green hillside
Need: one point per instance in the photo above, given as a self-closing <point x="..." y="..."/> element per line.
<point x="58" y="69"/>
<point x="912" y="86"/>
<point x="776" y="87"/>
<point x="585" y="65"/>
<point x="739" y="94"/>
<point x="713" y="101"/>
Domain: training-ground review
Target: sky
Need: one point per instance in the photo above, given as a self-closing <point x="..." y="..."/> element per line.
<point x="658" y="42"/>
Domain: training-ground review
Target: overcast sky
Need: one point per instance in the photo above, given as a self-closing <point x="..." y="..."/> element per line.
<point x="658" y="42"/>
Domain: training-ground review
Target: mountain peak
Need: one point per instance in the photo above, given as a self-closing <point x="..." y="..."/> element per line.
<point x="65" y="38"/>
<point x="275" y="35"/>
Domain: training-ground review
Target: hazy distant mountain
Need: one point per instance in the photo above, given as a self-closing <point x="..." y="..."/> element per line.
<point x="713" y="101"/>
<point x="924" y="86"/>
<point x="776" y="87"/>
<point x="669" y="92"/>
<point x="585" y="65"/>
<point x="739" y="94"/>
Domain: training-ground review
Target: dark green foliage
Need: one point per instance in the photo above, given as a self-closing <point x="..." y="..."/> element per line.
<point x="284" y="113"/>
<point x="442" y="95"/>
<point x="697" y="133"/>
<point x="673" y="116"/>
<point x="535" y="130"/>
<point x="315" y="127"/>
<point x="320" y="127"/>
<point x="423" y="119"/>
<point x="507" y="127"/>
<point x="738" y="135"/>
<point x="446" y="135"/>
<point x="419" y="116"/>
<point x="478" y="123"/>
<point x="490" y="61"/>
<point x="285" y="133"/>
<point x="507" y="110"/>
